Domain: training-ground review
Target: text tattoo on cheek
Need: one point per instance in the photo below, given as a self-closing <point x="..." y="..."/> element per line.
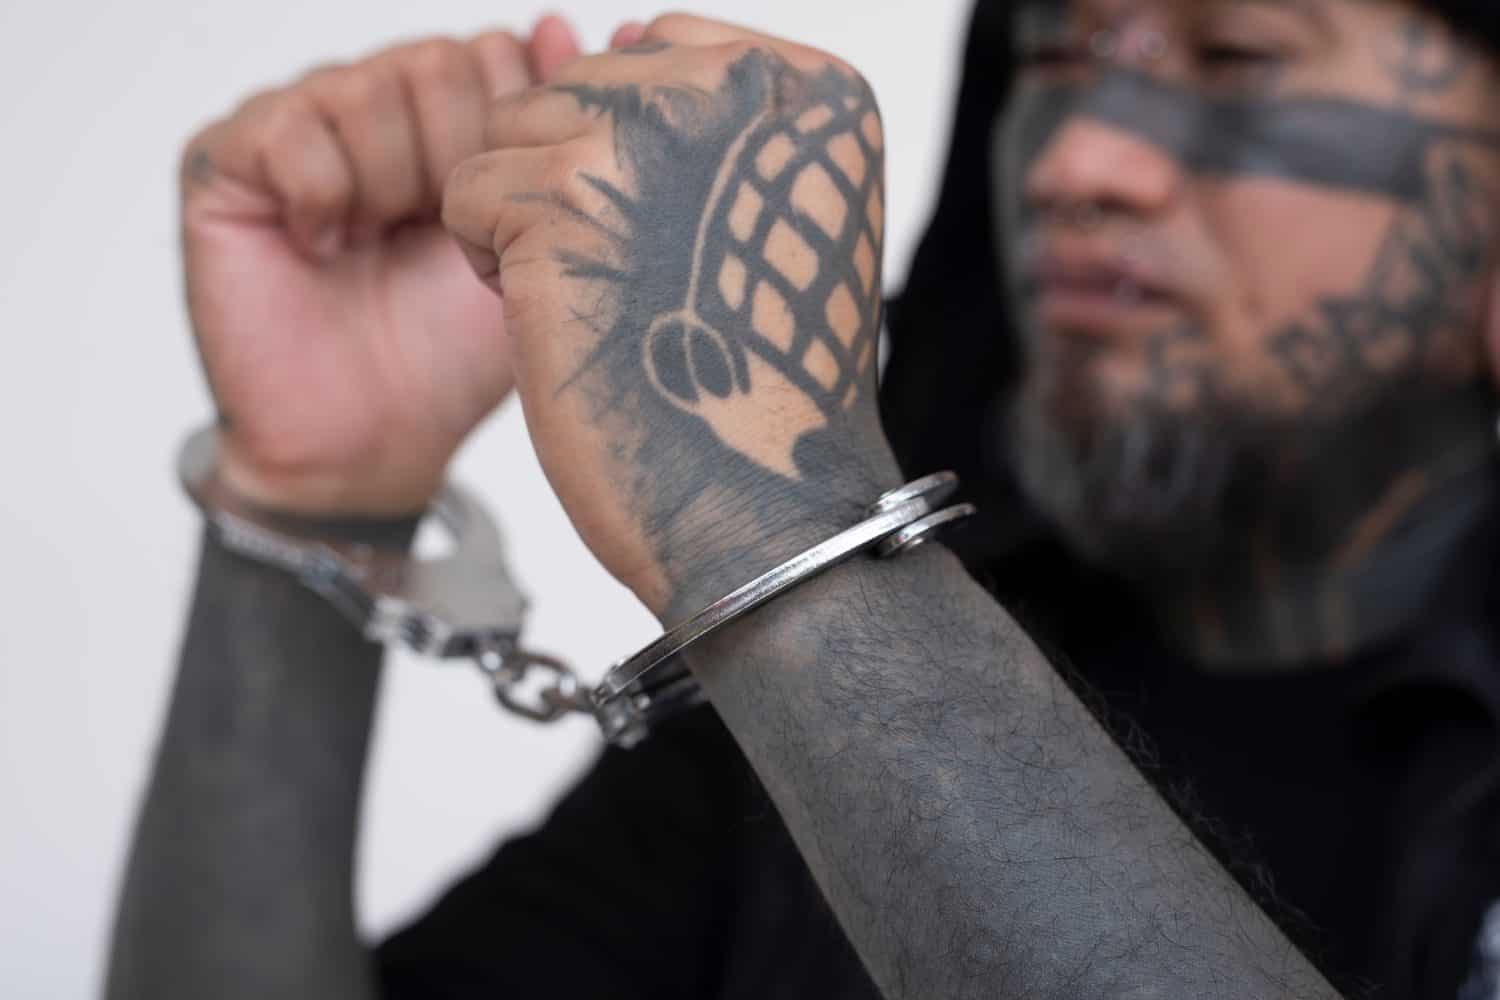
<point x="1419" y="288"/>
<point x="1416" y="299"/>
<point x="749" y="259"/>
<point x="1423" y="60"/>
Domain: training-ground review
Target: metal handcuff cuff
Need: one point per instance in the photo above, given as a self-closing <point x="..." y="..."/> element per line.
<point x="465" y="604"/>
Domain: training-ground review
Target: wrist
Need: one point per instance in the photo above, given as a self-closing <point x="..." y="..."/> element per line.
<point x="377" y="491"/>
<point x="751" y="531"/>
<point x="866" y="609"/>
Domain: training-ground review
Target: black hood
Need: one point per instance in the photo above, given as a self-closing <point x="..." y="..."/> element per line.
<point x="952" y="349"/>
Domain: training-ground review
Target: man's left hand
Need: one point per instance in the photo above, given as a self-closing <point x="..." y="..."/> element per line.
<point x="686" y="235"/>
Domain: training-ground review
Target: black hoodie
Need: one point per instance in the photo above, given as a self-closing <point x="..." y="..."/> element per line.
<point x="1361" y="805"/>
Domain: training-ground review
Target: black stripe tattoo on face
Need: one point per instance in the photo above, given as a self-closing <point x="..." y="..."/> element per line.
<point x="1253" y="305"/>
<point x="1344" y="145"/>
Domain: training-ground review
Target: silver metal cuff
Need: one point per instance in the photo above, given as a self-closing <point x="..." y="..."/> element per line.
<point x="460" y="605"/>
<point x="643" y="689"/>
<point x="465" y="604"/>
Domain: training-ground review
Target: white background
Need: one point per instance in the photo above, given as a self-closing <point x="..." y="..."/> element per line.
<point x="98" y="383"/>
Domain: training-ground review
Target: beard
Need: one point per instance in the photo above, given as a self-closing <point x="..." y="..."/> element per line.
<point x="1135" y="481"/>
<point x="1174" y="473"/>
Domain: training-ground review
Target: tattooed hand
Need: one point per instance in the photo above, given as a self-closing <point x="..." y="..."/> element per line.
<point x="348" y="347"/>
<point x="686" y="236"/>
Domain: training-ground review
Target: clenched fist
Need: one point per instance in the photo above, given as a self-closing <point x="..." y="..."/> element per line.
<point x="348" y="346"/>
<point x="686" y="237"/>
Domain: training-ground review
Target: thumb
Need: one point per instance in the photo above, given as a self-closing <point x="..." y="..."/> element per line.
<point x="628" y="34"/>
<point x="554" y="44"/>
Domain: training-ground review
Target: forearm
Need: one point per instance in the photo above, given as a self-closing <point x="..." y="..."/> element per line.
<point x="973" y="826"/>
<point x="240" y="878"/>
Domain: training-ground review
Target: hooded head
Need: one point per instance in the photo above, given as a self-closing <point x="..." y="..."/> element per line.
<point x="1243" y="260"/>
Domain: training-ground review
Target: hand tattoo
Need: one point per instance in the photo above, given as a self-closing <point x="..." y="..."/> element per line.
<point x="757" y="228"/>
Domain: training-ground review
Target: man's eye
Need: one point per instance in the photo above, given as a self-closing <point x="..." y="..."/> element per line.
<point x="1234" y="56"/>
<point x="1051" y="56"/>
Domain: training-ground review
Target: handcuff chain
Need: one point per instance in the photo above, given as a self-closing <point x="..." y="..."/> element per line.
<point x="507" y="668"/>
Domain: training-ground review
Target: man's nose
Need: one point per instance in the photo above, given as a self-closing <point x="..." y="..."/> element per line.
<point x="1094" y="164"/>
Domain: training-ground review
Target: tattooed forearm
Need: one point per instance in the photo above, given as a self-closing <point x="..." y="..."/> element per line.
<point x="975" y="829"/>
<point x="240" y="881"/>
<point x="726" y="279"/>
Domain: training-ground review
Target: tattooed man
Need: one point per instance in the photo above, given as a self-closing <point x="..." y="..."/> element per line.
<point x="1203" y="321"/>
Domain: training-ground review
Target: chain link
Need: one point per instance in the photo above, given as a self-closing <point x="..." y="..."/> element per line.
<point x="508" y="669"/>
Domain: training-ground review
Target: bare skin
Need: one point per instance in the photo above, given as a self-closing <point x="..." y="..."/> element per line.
<point x="346" y="374"/>
<point x="676" y="234"/>
<point x="348" y="347"/>
<point x="1259" y="384"/>
<point x="673" y="233"/>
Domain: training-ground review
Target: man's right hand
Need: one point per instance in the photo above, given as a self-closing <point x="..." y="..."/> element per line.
<point x="348" y="345"/>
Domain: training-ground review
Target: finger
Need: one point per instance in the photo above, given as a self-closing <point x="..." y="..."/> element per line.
<point x="280" y="143"/>
<point x="689" y="29"/>
<point x="647" y="67"/>
<point x="371" y="114"/>
<point x="554" y="44"/>
<point x="482" y="261"/>
<point x="541" y="116"/>
<point x="571" y="106"/>
<point x="504" y="62"/>
<point x="493" y="198"/>
<point x="628" y="34"/>
<point x="479" y="197"/>
<point x="449" y="99"/>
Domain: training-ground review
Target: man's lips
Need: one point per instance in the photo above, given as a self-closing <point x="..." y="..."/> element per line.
<point x="1101" y="294"/>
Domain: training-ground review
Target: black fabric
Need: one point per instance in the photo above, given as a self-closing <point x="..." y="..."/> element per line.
<point x="1360" y="804"/>
<point x="1479" y="19"/>
<point x="666" y="873"/>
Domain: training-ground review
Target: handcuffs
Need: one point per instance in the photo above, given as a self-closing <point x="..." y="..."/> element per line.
<point x="465" y="605"/>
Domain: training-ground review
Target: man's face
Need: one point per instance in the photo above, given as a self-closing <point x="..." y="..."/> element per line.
<point x="1246" y="239"/>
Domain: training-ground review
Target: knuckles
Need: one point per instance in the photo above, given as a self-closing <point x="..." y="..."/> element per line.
<point x="500" y="46"/>
<point x="508" y="108"/>
<point x="354" y="90"/>
<point x="283" y="119"/>
<point x="674" y="26"/>
<point x="469" y="177"/>
<point x="728" y="53"/>
<point x="441" y="62"/>
<point x="567" y="164"/>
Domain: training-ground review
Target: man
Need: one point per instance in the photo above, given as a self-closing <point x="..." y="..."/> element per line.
<point x="1249" y="250"/>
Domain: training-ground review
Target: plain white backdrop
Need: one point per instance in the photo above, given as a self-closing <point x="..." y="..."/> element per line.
<point x="98" y="383"/>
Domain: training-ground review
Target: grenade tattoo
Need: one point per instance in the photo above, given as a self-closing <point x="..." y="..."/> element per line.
<point x="783" y="297"/>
